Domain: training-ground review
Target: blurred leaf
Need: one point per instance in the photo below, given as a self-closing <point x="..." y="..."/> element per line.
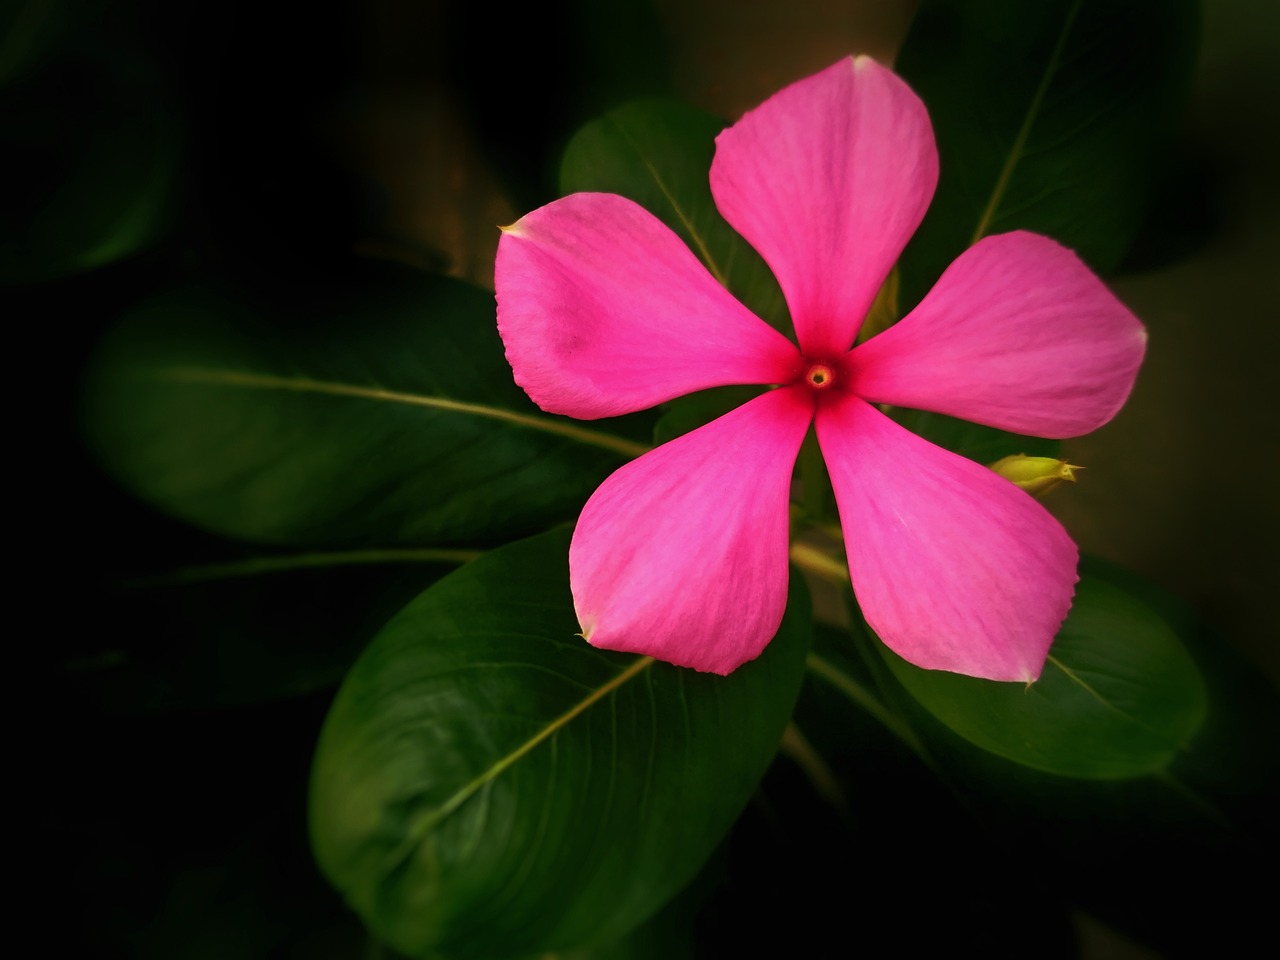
<point x="659" y="155"/>
<point x="489" y="785"/>
<point x="696" y="409"/>
<point x="251" y="629"/>
<point x="1119" y="696"/>
<point x="1051" y="116"/>
<point x="1191" y="836"/>
<point x="92" y="145"/>
<point x="386" y="415"/>
<point x="973" y="440"/>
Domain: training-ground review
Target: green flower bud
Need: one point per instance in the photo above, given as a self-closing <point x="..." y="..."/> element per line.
<point x="1036" y="475"/>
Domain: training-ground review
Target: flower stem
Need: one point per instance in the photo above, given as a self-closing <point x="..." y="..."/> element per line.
<point x="822" y="778"/>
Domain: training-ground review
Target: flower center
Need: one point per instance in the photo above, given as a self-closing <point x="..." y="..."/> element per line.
<point x="820" y="376"/>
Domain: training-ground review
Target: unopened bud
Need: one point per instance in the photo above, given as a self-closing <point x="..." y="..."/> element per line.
<point x="1036" y="475"/>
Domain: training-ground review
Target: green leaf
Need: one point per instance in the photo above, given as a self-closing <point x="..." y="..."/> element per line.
<point x="489" y="785"/>
<point x="973" y="440"/>
<point x="659" y="154"/>
<point x="698" y="409"/>
<point x="1119" y="696"/>
<point x="386" y="415"/>
<point x="1051" y="116"/>
<point x="251" y="629"/>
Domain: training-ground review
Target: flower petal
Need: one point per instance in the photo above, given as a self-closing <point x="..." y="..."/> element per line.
<point x="954" y="567"/>
<point x="604" y="311"/>
<point x="1017" y="334"/>
<point x="682" y="554"/>
<point x="828" y="179"/>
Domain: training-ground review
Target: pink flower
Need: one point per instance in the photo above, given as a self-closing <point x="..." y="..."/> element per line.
<point x="682" y="554"/>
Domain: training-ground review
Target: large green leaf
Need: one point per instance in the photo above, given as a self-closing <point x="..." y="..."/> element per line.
<point x="1119" y="695"/>
<point x="489" y="785"/>
<point x="1186" y="836"/>
<point x="659" y="155"/>
<point x="385" y="415"/>
<point x="1050" y="116"/>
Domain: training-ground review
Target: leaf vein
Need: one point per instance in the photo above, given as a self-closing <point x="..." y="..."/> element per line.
<point x="694" y="234"/>
<point x="301" y="384"/>
<point x="433" y="817"/>
<point x="1020" y="141"/>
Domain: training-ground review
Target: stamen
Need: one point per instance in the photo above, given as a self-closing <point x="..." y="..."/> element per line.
<point x="820" y="376"/>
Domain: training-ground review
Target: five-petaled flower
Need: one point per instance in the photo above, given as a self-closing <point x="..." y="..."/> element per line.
<point x="682" y="553"/>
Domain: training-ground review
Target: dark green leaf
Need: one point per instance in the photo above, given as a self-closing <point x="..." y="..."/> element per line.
<point x="385" y="416"/>
<point x="1185" y="836"/>
<point x="489" y="785"/>
<point x="973" y="440"/>
<point x="256" y="628"/>
<point x="659" y="154"/>
<point x="690" y="412"/>
<point x="1119" y="696"/>
<point x="1051" y="116"/>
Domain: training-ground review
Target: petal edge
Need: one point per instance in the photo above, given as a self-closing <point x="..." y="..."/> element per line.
<point x="1018" y="334"/>
<point x="954" y="567"/>
<point x="603" y="311"/>
<point x="828" y="179"/>
<point x="682" y="553"/>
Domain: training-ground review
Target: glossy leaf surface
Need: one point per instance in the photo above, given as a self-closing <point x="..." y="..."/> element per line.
<point x="1119" y="695"/>
<point x="489" y="785"/>
<point x="384" y="414"/>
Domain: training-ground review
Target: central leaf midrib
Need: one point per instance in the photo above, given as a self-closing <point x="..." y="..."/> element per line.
<point x="436" y="815"/>
<point x="1024" y="132"/>
<point x="698" y="240"/>
<point x="261" y="381"/>
<point x="1107" y="704"/>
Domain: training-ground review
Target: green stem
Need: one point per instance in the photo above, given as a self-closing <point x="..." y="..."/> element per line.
<point x="868" y="701"/>
<point x="821" y="777"/>
<point x="1203" y="804"/>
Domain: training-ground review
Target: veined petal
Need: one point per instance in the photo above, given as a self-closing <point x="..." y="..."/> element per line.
<point x="682" y="553"/>
<point x="604" y="311"/>
<point x="954" y="567"/>
<point x="1017" y="334"/>
<point x="828" y="179"/>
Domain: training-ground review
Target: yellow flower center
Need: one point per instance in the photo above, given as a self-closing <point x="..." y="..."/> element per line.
<point x="820" y="376"/>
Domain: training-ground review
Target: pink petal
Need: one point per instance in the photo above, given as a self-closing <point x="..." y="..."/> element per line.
<point x="682" y="554"/>
<point x="954" y="567"/>
<point x="828" y="179"/>
<point x="604" y="311"/>
<point x="1017" y="334"/>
